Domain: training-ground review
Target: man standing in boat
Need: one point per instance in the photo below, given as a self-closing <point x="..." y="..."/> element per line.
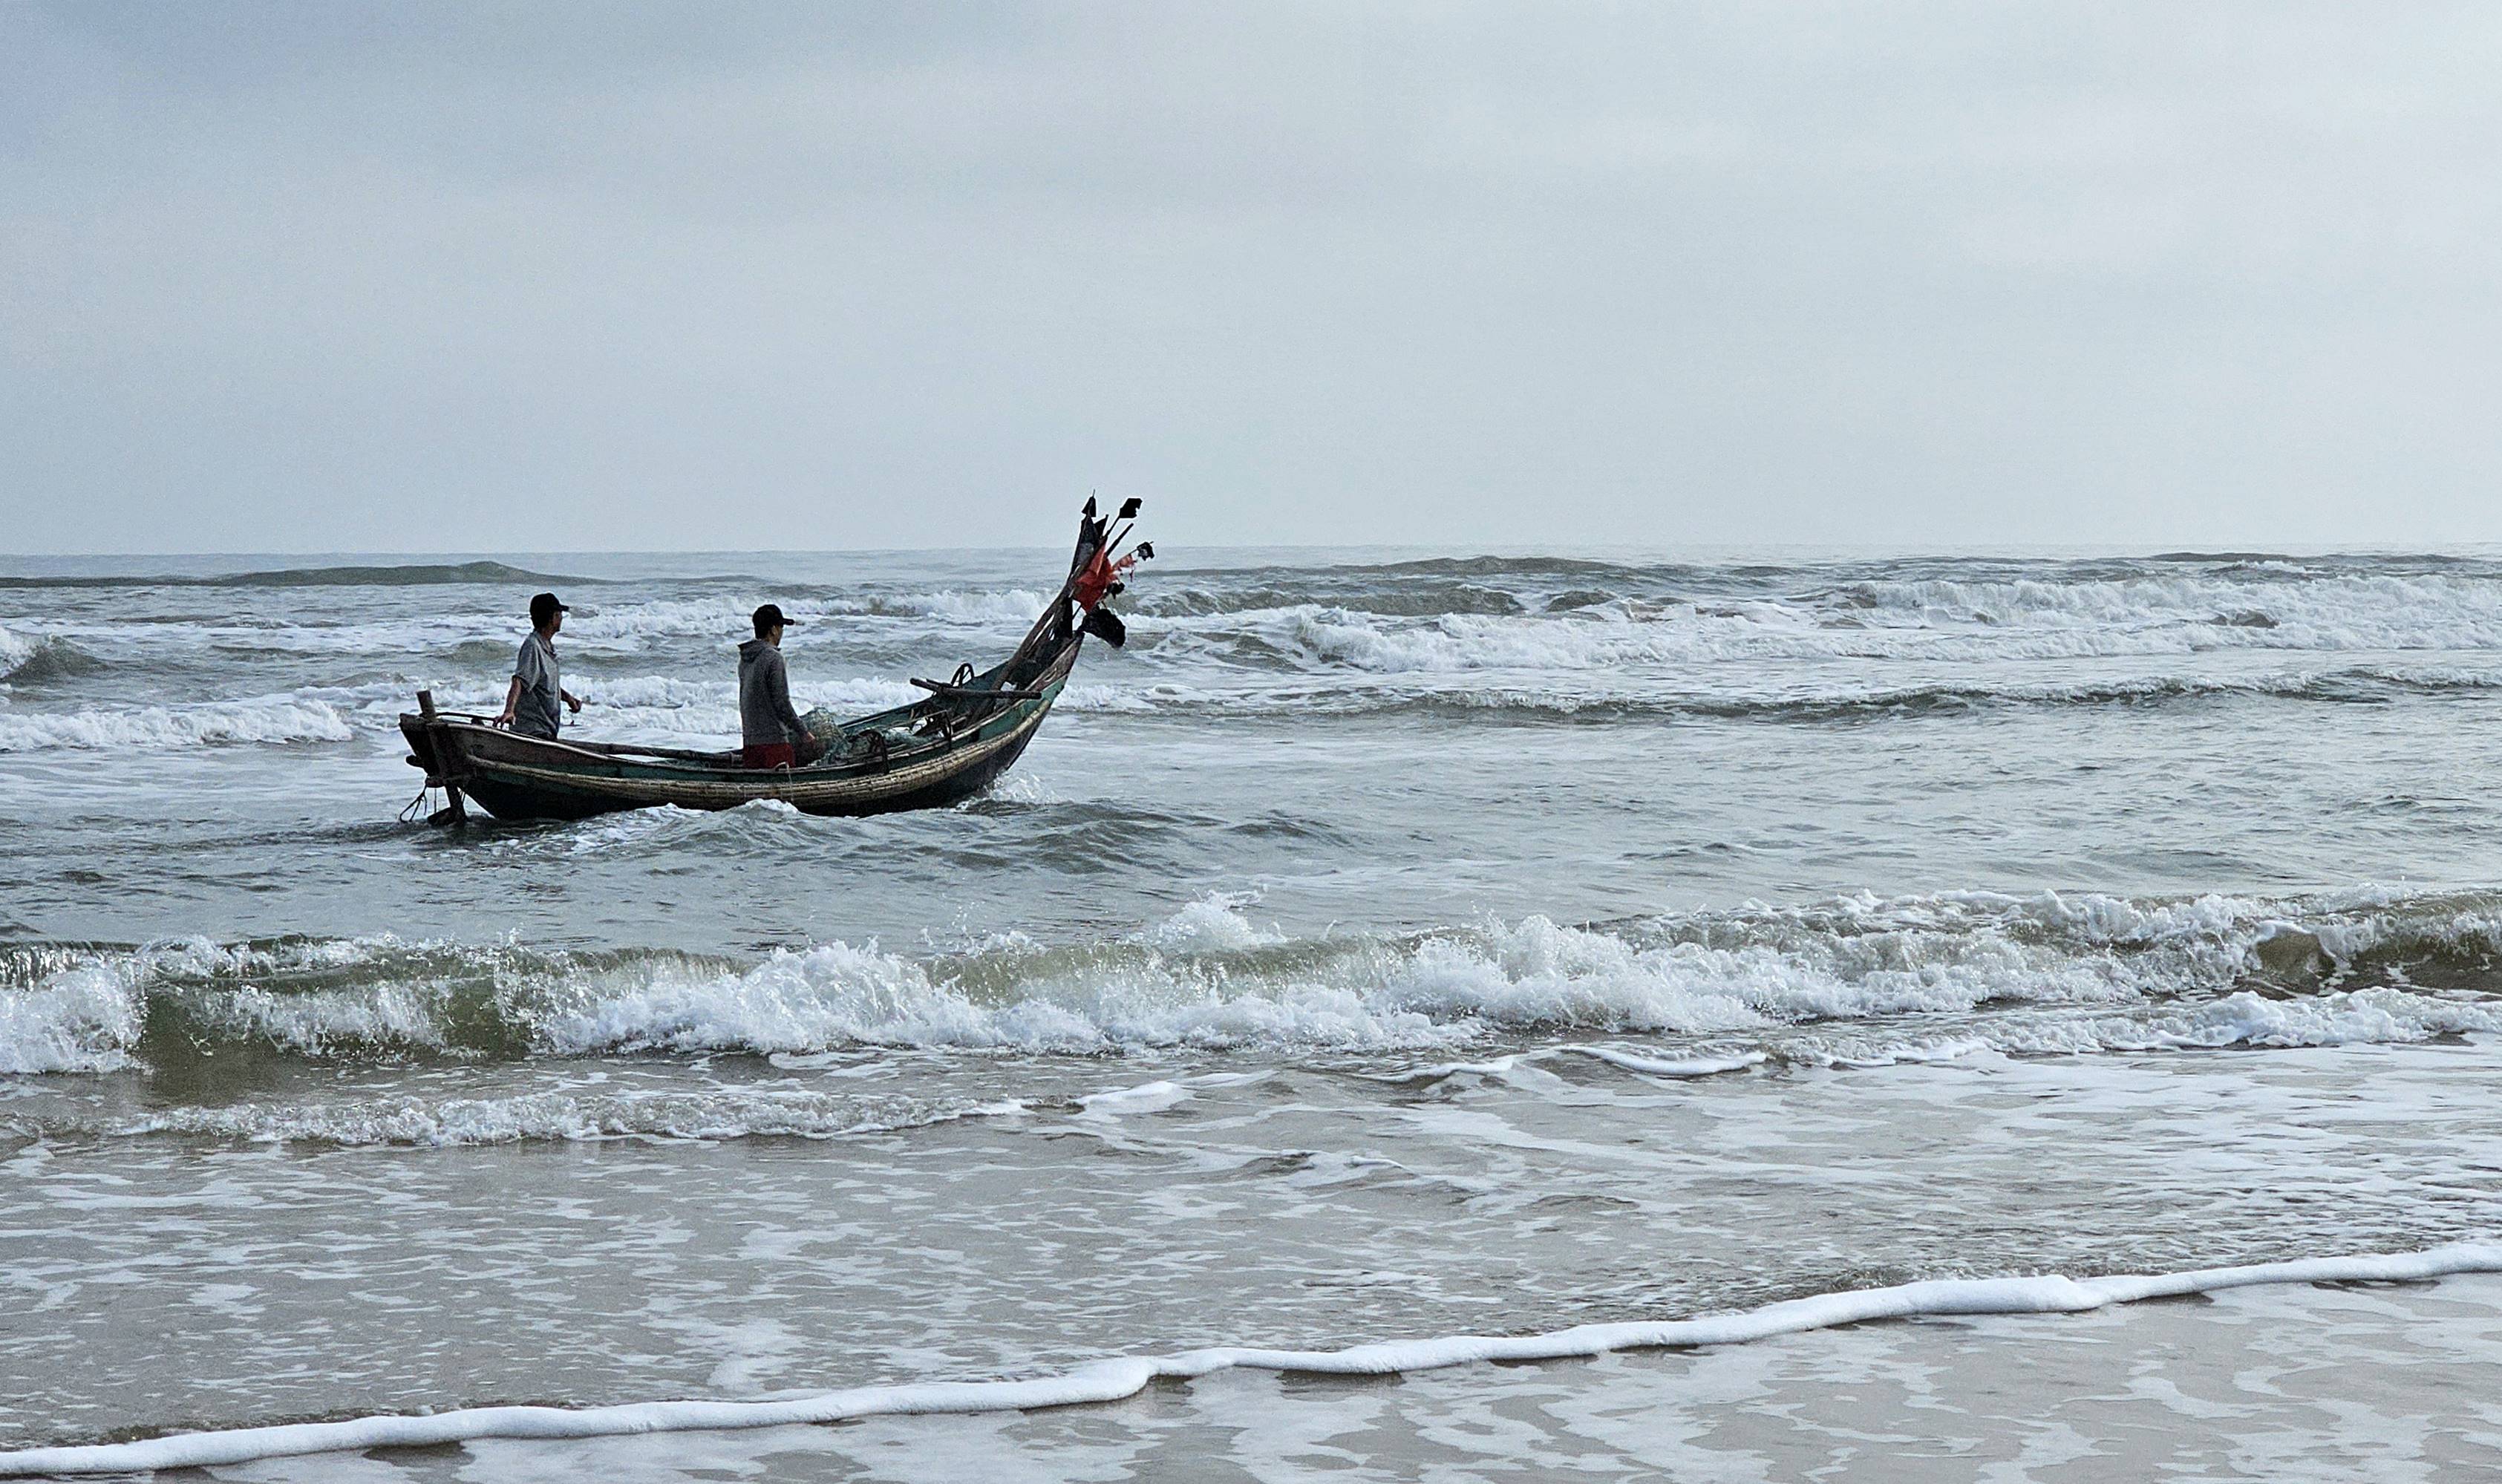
<point x="530" y="703"/>
<point x="770" y="733"/>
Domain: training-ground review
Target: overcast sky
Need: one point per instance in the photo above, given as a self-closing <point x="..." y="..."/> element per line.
<point x="538" y="277"/>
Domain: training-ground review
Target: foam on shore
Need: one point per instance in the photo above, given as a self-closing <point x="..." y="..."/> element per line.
<point x="1111" y="1380"/>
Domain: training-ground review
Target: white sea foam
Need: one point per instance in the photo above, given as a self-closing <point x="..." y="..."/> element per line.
<point x="1848" y="645"/>
<point x="2273" y="609"/>
<point x="631" y="625"/>
<point x="1211" y="921"/>
<point x="1673" y="1067"/>
<point x="1962" y="623"/>
<point x="1123" y="1102"/>
<point x="1014" y="605"/>
<point x="1864" y="1053"/>
<point x="1628" y="621"/>
<point x="1015" y="789"/>
<point x="2377" y="1016"/>
<point x="1111" y="1380"/>
<point x="1492" y="1066"/>
<point x="266" y="719"/>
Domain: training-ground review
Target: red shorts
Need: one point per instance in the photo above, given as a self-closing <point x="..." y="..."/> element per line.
<point x="767" y="755"/>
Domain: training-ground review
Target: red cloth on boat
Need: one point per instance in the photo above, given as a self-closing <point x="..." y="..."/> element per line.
<point x="1099" y="578"/>
<point x="767" y="755"/>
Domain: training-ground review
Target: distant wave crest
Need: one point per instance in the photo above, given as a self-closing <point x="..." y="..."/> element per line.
<point x="416" y="574"/>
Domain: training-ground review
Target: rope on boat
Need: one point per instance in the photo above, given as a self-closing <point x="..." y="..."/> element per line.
<point x="418" y="807"/>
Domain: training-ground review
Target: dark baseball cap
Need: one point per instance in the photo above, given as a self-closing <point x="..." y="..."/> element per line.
<point x="770" y="614"/>
<point x="545" y="607"/>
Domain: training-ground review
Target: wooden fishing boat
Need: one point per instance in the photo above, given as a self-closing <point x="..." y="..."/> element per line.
<point x="938" y="751"/>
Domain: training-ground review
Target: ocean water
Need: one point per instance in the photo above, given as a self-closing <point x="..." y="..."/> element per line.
<point x="1383" y="949"/>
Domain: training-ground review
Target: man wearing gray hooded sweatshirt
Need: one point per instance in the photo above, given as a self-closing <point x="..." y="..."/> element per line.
<point x="771" y="733"/>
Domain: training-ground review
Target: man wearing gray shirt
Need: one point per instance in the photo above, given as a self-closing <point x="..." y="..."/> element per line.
<point x="529" y="705"/>
<point x="771" y="733"/>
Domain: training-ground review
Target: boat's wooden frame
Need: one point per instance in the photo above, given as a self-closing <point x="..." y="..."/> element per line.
<point x="934" y="752"/>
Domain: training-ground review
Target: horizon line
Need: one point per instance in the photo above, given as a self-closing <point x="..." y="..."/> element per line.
<point x="417" y="556"/>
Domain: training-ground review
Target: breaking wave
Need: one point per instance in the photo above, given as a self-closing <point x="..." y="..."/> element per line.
<point x="267" y="719"/>
<point x="14" y="653"/>
<point x="1934" y="622"/>
<point x="1848" y="981"/>
<point x="1819" y="698"/>
<point x="725" y="617"/>
<point x="25" y="661"/>
<point x="660" y="708"/>
<point x="1481" y="638"/>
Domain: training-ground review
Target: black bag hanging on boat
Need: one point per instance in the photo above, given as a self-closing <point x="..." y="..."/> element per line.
<point x="1106" y="624"/>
